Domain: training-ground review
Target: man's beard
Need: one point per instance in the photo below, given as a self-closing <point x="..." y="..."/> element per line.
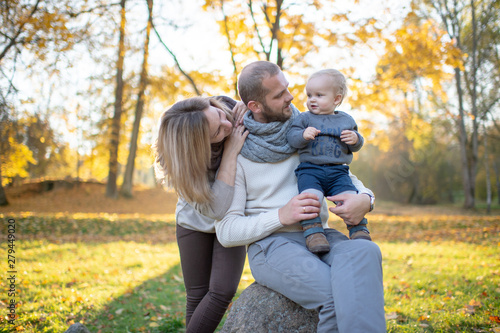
<point x="271" y="116"/>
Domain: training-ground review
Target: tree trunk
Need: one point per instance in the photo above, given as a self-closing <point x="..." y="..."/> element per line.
<point x="474" y="157"/>
<point x="487" y="169"/>
<point x="451" y="22"/>
<point x="3" y="196"/>
<point x="466" y="176"/>
<point x="111" y="190"/>
<point x="126" y="189"/>
<point x="497" y="176"/>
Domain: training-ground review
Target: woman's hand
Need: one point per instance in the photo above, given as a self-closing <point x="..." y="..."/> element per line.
<point x="235" y="141"/>
<point x="239" y="111"/>
<point x="232" y="147"/>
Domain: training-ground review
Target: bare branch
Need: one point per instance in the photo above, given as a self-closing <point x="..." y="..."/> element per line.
<point x="231" y="50"/>
<point x="176" y="61"/>
<point x="13" y="40"/>
<point x="267" y="53"/>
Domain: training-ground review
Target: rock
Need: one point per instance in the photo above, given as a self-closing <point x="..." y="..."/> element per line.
<point x="260" y="309"/>
<point x="77" y="328"/>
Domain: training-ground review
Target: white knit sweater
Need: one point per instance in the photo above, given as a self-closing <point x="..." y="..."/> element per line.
<point x="260" y="190"/>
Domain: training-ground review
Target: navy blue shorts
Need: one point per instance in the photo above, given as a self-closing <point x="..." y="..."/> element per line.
<point x="329" y="179"/>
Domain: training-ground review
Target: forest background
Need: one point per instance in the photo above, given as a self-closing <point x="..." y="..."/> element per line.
<point x="83" y="84"/>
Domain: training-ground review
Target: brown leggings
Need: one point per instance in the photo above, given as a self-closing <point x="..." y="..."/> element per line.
<point x="211" y="276"/>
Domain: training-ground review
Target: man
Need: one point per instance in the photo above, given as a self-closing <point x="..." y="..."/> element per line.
<point x="345" y="284"/>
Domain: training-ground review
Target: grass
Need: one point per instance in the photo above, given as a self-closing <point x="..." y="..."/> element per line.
<point x="121" y="273"/>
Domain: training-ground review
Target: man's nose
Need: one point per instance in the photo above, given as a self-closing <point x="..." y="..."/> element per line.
<point x="289" y="97"/>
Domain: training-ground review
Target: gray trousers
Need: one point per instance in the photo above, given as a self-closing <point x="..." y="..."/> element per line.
<point x="344" y="285"/>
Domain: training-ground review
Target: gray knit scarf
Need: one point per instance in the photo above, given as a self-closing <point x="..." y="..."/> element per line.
<point x="266" y="142"/>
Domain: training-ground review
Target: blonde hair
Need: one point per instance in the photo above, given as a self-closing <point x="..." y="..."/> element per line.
<point x="182" y="149"/>
<point x="338" y="80"/>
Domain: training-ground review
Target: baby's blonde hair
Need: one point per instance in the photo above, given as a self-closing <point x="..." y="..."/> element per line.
<point x="338" y="80"/>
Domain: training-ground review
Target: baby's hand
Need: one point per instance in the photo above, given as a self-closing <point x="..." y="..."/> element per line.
<point x="310" y="133"/>
<point x="349" y="137"/>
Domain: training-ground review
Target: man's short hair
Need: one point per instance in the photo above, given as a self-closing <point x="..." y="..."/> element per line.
<point x="250" y="80"/>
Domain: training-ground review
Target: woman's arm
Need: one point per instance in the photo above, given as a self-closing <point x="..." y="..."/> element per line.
<point x="223" y="187"/>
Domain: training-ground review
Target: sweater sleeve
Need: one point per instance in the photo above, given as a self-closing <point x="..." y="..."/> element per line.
<point x="354" y="128"/>
<point x="222" y="195"/>
<point x="295" y="133"/>
<point x="235" y="228"/>
<point x="359" y="185"/>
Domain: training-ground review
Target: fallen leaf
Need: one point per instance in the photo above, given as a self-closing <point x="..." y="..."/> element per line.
<point x="154" y="325"/>
<point x="470" y="309"/>
<point x="119" y="311"/>
<point x="496" y="319"/>
<point x="392" y="315"/>
<point x="474" y="303"/>
<point x="150" y="306"/>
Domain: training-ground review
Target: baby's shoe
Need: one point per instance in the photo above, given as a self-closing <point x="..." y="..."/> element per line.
<point x="361" y="234"/>
<point x="317" y="242"/>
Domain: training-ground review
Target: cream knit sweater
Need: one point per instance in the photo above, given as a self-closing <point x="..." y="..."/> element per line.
<point x="260" y="190"/>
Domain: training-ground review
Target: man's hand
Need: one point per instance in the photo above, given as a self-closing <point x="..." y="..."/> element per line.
<point x="304" y="206"/>
<point x="349" y="137"/>
<point x="350" y="207"/>
<point x="310" y="133"/>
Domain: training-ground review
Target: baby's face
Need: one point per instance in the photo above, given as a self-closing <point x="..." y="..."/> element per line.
<point x="321" y="95"/>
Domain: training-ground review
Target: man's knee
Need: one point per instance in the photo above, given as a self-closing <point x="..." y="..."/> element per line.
<point x="370" y="249"/>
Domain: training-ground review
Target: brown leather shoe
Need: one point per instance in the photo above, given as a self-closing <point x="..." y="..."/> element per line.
<point x="361" y="234"/>
<point x="317" y="242"/>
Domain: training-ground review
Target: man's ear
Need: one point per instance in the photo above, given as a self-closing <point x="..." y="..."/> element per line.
<point x="254" y="106"/>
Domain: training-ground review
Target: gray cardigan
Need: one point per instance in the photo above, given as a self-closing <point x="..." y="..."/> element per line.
<point x="202" y="217"/>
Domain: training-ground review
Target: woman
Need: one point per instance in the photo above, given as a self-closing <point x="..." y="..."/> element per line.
<point x="198" y="142"/>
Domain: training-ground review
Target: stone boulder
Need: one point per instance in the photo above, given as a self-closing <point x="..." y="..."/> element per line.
<point x="260" y="309"/>
<point x="77" y="328"/>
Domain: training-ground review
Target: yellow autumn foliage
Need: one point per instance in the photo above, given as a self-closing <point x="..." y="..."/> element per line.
<point x="16" y="161"/>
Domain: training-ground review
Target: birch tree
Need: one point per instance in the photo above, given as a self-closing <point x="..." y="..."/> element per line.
<point x="111" y="188"/>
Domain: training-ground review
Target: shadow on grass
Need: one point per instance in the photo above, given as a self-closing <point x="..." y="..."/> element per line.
<point x="104" y="228"/>
<point x="431" y="228"/>
<point x="157" y="305"/>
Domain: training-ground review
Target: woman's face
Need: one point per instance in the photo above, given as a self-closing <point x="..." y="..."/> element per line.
<point x="219" y="126"/>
